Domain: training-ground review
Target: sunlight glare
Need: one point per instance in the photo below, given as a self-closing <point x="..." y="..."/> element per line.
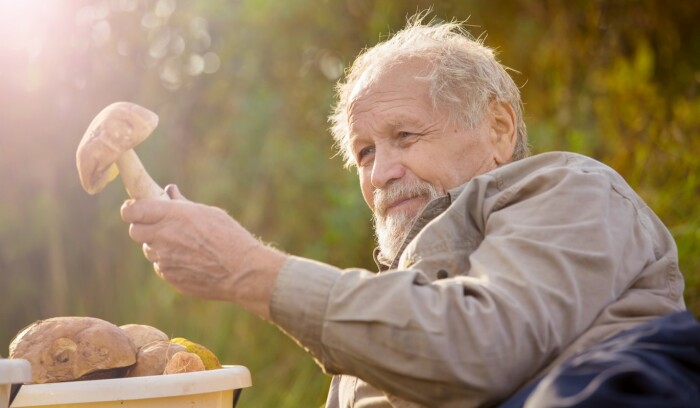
<point x="23" y="24"/>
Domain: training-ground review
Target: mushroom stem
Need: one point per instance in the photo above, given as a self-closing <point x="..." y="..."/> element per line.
<point x="137" y="181"/>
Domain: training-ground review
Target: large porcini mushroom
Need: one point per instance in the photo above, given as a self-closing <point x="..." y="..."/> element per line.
<point x="106" y="150"/>
<point x="74" y="348"/>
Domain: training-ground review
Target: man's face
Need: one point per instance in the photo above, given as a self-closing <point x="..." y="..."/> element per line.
<point x="406" y="150"/>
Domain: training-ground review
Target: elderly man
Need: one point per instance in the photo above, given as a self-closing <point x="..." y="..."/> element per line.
<point x="494" y="268"/>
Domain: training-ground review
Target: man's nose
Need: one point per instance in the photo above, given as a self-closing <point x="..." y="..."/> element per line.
<point x="386" y="167"/>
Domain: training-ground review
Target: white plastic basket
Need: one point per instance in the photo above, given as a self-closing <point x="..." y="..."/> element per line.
<point x="211" y="388"/>
<point x="12" y="372"/>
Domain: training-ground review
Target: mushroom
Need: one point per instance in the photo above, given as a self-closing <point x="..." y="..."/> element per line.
<point x="106" y="150"/>
<point x="152" y="358"/>
<point x="183" y="362"/>
<point x="141" y="334"/>
<point x="74" y="348"/>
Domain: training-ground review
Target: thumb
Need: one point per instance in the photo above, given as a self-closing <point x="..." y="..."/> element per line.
<point x="174" y="192"/>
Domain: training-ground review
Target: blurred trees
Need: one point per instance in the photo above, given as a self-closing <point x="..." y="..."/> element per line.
<point x="243" y="89"/>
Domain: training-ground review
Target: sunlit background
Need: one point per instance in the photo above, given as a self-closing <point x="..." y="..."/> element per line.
<point x="243" y="89"/>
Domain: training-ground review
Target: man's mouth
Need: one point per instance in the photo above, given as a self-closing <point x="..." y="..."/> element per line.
<point x="402" y="203"/>
<point x="405" y="199"/>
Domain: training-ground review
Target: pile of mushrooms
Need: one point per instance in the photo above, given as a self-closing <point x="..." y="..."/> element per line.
<point x="86" y="348"/>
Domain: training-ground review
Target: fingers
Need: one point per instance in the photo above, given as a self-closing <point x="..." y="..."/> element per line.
<point x="174" y="192"/>
<point x="149" y="211"/>
<point x="157" y="270"/>
<point x="153" y="257"/>
<point x="150" y="219"/>
<point x="141" y="232"/>
<point x="149" y="253"/>
<point x="144" y="211"/>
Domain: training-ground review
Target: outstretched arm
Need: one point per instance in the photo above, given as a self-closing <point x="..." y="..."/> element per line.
<point x="203" y="252"/>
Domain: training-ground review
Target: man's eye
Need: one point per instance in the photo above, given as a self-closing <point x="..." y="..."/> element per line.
<point x="408" y="136"/>
<point x="363" y="153"/>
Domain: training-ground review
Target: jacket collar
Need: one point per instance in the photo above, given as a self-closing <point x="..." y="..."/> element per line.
<point x="431" y="210"/>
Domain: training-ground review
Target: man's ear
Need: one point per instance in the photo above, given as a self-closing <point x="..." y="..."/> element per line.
<point x="503" y="131"/>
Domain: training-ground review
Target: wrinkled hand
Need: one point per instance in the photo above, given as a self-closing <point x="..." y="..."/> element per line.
<point x="202" y="251"/>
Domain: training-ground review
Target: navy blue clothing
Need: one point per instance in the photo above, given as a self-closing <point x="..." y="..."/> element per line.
<point x="655" y="364"/>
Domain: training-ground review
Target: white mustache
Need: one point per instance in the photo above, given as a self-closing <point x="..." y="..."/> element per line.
<point x="394" y="192"/>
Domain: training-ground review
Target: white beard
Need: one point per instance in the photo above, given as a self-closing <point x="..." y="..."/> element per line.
<point x="391" y="230"/>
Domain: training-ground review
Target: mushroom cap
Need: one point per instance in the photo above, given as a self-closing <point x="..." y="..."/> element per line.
<point x="116" y="129"/>
<point x="152" y="358"/>
<point x="141" y="334"/>
<point x="183" y="362"/>
<point x="211" y="361"/>
<point x="71" y="348"/>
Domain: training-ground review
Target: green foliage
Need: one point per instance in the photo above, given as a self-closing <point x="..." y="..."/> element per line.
<point x="243" y="89"/>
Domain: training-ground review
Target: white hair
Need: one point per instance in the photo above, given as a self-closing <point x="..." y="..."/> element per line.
<point x="465" y="77"/>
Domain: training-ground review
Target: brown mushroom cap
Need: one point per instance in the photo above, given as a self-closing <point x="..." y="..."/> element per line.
<point x="141" y="334"/>
<point x="183" y="362"/>
<point x="152" y="358"/>
<point x="117" y="128"/>
<point x="72" y="348"/>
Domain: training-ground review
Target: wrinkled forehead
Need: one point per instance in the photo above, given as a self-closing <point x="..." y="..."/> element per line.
<point x="400" y="72"/>
<point x="396" y="97"/>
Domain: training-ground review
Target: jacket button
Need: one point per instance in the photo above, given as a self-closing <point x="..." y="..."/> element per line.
<point x="442" y="274"/>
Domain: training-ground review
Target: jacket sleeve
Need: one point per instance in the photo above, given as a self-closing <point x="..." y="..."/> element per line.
<point x="551" y="251"/>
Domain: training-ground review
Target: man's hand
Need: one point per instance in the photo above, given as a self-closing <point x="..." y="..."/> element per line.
<point x="202" y="251"/>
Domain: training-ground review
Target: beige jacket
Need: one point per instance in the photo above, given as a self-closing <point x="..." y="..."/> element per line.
<point x="509" y="274"/>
